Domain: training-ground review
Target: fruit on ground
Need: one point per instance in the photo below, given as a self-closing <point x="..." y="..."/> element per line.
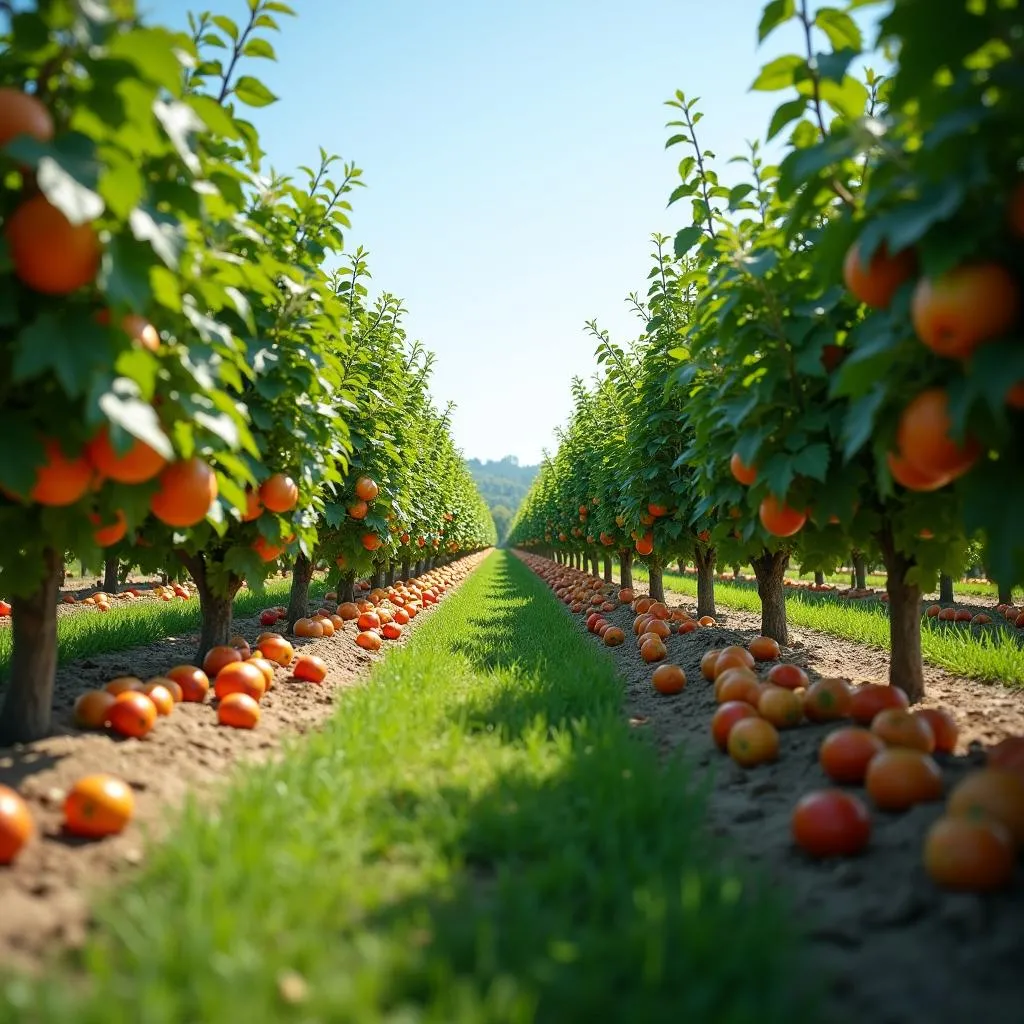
<point x="831" y="823"/>
<point x="668" y="679"/>
<point x="753" y="741"/>
<point x="781" y="707"/>
<point x="733" y="656"/>
<point x="21" y="114"/>
<point x="122" y="684"/>
<point x="161" y="697"/>
<point x="972" y="854"/>
<point x="845" y="753"/>
<point x="239" y="711"/>
<point x="369" y="640"/>
<point x="962" y="309"/>
<point x="240" y="677"/>
<point x="827" y="700"/>
<point x="92" y="709"/>
<point x="218" y="657"/>
<point x="725" y="717"/>
<point x="764" y="648"/>
<point x="653" y="650"/>
<point x="98" y="805"/>
<point x="738" y="684"/>
<point x="898" y="778"/>
<point x="1007" y="754"/>
<point x="993" y="793"/>
<point x="16" y="827"/>
<point x="276" y="649"/>
<point x="897" y="727"/>
<point x="614" y="637"/>
<point x="49" y="254"/>
<point x="792" y="677"/>
<point x="176" y="692"/>
<point x="266" y="667"/>
<point x="870" y="698"/>
<point x="132" y="714"/>
<point x="944" y="728"/>
<point x="310" y="668"/>
<point x="194" y="682"/>
<point x="877" y="280"/>
<point x="707" y="664"/>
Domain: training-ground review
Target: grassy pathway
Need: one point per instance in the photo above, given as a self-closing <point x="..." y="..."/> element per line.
<point x="477" y="836"/>
<point x="993" y="654"/>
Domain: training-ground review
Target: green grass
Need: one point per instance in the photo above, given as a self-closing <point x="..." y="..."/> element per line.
<point x="128" y="624"/>
<point x="994" y="654"/>
<point x="477" y="837"/>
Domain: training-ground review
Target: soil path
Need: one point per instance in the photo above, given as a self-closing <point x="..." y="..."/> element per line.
<point x="45" y="895"/>
<point x="898" y="949"/>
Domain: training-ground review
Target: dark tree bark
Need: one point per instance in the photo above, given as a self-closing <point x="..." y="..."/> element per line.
<point x="656" y="582"/>
<point x="770" y="570"/>
<point x="626" y="568"/>
<point x="406" y="569"/>
<point x="946" y="589"/>
<point x="860" y="570"/>
<point x="1005" y="594"/>
<point x="389" y="574"/>
<point x="28" y="703"/>
<point x="215" y="605"/>
<point x="347" y="587"/>
<point x="704" y="558"/>
<point x="736" y="571"/>
<point x="607" y="559"/>
<point x="594" y="569"/>
<point x="418" y="571"/>
<point x="110" y="580"/>
<point x="298" y="600"/>
<point x="819" y="579"/>
<point x="906" y="669"/>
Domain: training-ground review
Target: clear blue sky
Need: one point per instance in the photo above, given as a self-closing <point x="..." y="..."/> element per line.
<point x="515" y="162"/>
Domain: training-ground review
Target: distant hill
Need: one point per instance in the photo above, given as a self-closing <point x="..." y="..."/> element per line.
<point x="503" y="485"/>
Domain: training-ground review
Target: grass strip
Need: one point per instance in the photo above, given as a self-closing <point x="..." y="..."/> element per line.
<point x="993" y="653"/>
<point x="477" y="836"/>
<point x="85" y="634"/>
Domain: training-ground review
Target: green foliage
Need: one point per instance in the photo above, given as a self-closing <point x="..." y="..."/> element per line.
<point x="503" y="485"/>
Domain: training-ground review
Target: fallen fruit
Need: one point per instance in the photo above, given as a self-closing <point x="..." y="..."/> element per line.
<point x="98" y="805"/>
<point x="831" y="823"/>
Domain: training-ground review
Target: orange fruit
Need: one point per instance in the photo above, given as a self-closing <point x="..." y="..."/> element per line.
<point x="132" y="714"/>
<point x="993" y="793"/>
<point x="98" y="805"/>
<point x="974" y="854"/>
<point x="876" y="282"/>
<point x="50" y="254"/>
<point x="753" y="741"/>
<point x="898" y="777"/>
<point x="22" y="114"/>
<point x="136" y="465"/>
<point x="668" y="679"/>
<point x="92" y="709"/>
<point x="741" y="472"/>
<point x="779" y="519"/>
<point x="238" y="711"/>
<point x="60" y="480"/>
<point x="366" y="489"/>
<point x="279" y="493"/>
<point x="16" y="826"/>
<point x="923" y="437"/>
<point x="187" y="490"/>
<point x="898" y="727"/>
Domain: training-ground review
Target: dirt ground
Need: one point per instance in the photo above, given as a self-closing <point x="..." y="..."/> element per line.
<point x="44" y="895"/>
<point x="899" y="950"/>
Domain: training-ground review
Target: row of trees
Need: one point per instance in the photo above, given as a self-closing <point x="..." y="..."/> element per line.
<point x="189" y="378"/>
<point x="831" y="356"/>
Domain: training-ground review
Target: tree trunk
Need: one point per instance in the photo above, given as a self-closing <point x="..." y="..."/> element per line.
<point x="347" y="588"/>
<point x="860" y="570"/>
<point x="946" y="589"/>
<point x="28" y="703"/>
<point x="418" y="571"/>
<point x="1005" y="594"/>
<point x="110" y="580"/>
<point x="819" y="579"/>
<point x="770" y="570"/>
<point x="906" y="670"/>
<point x="607" y="559"/>
<point x="389" y="574"/>
<point x="626" y="568"/>
<point x="594" y="569"/>
<point x="704" y="558"/>
<point x="736" y="571"/>
<point x="298" y="600"/>
<point x="656" y="584"/>
<point x="406" y="569"/>
<point x="214" y="605"/>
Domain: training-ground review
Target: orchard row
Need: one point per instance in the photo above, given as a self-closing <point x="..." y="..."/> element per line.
<point x="830" y="357"/>
<point x="194" y="377"/>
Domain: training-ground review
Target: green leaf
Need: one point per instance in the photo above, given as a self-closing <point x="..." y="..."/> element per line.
<point x="775" y="13"/>
<point x="214" y="116"/>
<point x="227" y="26"/>
<point x="71" y="347"/>
<point x="259" y="48"/>
<point x="832" y="67"/>
<point x="812" y="461"/>
<point x="859" y="425"/>
<point x="121" y="186"/>
<point x="686" y="239"/>
<point x="849" y="98"/>
<point x="123" y="407"/>
<point x="738" y="193"/>
<point x="161" y="231"/>
<point x="153" y="51"/>
<point x="787" y="112"/>
<point x="252" y="92"/>
<point x="840" y="28"/>
<point x="781" y="73"/>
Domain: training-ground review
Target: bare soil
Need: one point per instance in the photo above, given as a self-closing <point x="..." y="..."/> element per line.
<point x="45" y="894"/>
<point x="895" y="948"/>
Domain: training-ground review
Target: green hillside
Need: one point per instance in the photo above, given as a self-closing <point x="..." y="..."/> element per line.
<point x="503" y="485"/>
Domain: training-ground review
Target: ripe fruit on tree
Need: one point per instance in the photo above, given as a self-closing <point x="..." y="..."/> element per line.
<point x="135" y="466"/>
<point x="741" y="472"/>
<point x="60" y="480"/>
<point x="913" y="478"/>
<point x="279" y="493"/>
<point x="831" y="823"/>
<point x="21" y="114"/>
<point x="876" y="282"/>
<point x="108" y="534"/>
<point x="366" y="488"/>
<point x="49" y="253"/>
<point x="779" y="519"/>
<point x="187" y="490"/>
<point x="961" y="310"/>
<point x="98" y="805"/>
<point x="923" y="437"/>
